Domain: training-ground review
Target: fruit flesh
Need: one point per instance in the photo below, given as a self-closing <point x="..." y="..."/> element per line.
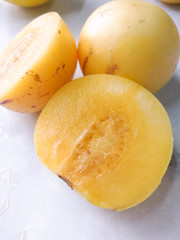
<point x="132" y="39"/>
<point x="108" y="138"/>
<point x="39" y="60"/>
<point x="27" y="3"/>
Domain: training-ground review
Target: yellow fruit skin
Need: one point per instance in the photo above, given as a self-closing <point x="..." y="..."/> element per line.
<point x="28" y="3"/>
<point x="37" y="81"/>
<point x="108" y="138"/>
<point x="132" y="39"/>
<point x="171" y="1"/>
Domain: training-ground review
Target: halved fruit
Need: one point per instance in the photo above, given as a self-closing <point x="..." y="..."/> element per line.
<point x="108" y="138"/>
<point x="38" y="61"/>
<point x="27" y="3"/>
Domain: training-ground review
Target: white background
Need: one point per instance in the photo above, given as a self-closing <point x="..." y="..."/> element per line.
<point x="37" y="205"/>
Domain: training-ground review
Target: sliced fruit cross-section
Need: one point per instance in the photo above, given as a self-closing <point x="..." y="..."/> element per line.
<point x="108" y="138"/>
<point x="39" y="60"/>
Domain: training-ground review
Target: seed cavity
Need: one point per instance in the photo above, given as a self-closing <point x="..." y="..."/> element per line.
<point x="100" y="148"/>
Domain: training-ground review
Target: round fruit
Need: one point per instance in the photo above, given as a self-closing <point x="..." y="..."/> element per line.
<point x="132" y="39"/>
<point x="38" y="61"/>
<point x="27" y="3"/>
<point x="108" y="138"/>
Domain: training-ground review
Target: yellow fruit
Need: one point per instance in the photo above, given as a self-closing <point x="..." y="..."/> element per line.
<point x="107" y="137"/>
<point x="133" y="39"/>
<point x="171" y="1"/>
<point x="27" y="3"/>
<point x="39" y="60"/>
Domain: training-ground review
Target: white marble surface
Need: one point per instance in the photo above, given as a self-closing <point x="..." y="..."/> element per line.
<point x="35" y="204"/>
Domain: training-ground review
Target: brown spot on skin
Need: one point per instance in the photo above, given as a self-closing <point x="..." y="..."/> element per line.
<point x="111" y="69"/>
<point x="30" y="87"/>
<point x="63" y="66"/>
<point x="44" y="94"/>
<point x="33" y="106"/>
<point x="66" y="181"/>
<point x="29" y="94"/>
<point x="57" y="70"/>
<point x="37" y="78"/>
<point x="7" y="101"/>
<point x="141" y="21"/>
<point x="86" y="60"/>
<point x="30" y="73"/>
<point x="59" y="32"/>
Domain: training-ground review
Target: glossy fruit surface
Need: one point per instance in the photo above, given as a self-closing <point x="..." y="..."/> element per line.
<point x="133" y="39"/>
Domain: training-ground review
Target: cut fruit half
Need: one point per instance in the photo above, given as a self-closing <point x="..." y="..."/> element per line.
<point x="108" y="138"/>
<point x="38" y="61"/>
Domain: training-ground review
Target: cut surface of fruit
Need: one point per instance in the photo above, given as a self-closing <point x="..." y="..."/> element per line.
<point x="107" y="137"/>
<point x="27" y="3"/>
<point x="39" y="60"/>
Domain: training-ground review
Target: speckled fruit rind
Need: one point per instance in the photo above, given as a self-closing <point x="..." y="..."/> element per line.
<point x="27" y="3"/>
<point x="38" y="61"/>
<point x="108" y="138"/>
<point x="133" y="39"/>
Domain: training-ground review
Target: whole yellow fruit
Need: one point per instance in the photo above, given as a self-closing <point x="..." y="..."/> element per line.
<point x="27" y="3"/>
<point x="132" y="39"/>
<point x="107" y="137"/>
<point x="38" y="61"/>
